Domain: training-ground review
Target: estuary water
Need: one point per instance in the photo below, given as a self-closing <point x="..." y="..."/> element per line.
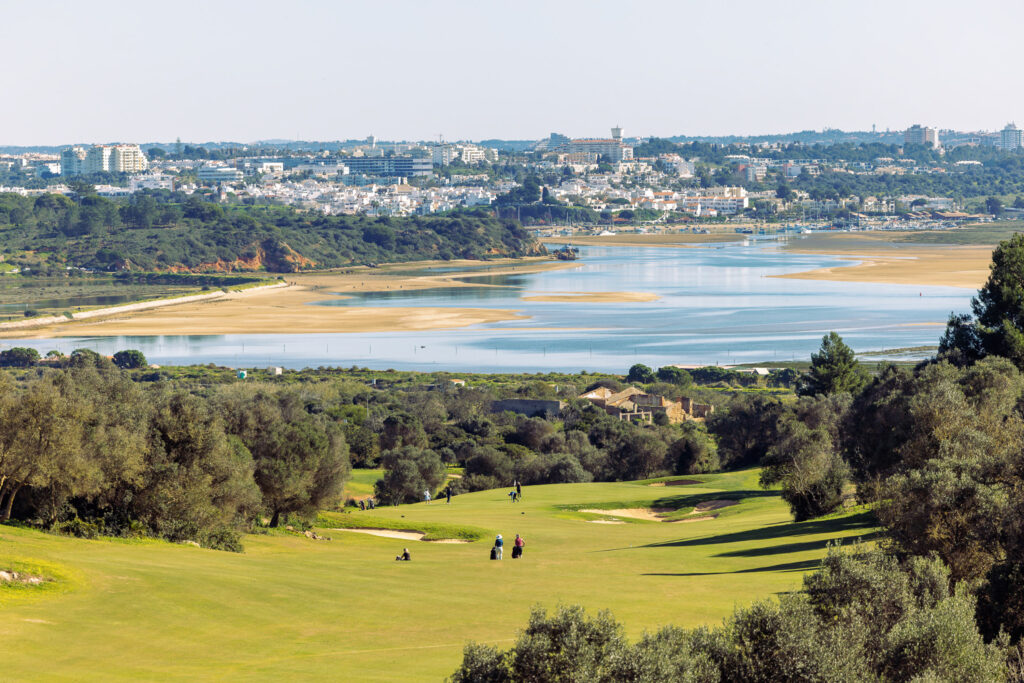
<point x="717" y="305"/>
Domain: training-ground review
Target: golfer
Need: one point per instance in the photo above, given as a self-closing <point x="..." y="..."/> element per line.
<point x="517" y="548"/>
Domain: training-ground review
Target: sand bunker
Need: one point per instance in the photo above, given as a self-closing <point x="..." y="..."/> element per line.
<point x="606" y="521"/>
<point x="709" y="505"/>
<point x="676" y="482"/>
<point x="408" y="535"/>
<point x="650" y="514"/>
<point x="706" y="518"/>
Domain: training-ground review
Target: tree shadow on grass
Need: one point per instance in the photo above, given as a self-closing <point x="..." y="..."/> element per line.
<point x="786" y="548"/>
<point x="679" y="502"/>
<point x="814" y="527"/>
<point x="801" y="566"/>
<point x="693" y="499"/>
<point x="861" y="520"/>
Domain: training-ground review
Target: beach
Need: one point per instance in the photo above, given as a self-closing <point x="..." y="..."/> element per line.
<point x="284" y="310"/>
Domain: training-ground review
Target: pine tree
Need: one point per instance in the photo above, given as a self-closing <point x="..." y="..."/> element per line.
<point x="834" y="369"/>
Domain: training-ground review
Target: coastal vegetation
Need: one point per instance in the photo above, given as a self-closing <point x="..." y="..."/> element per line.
<point x="170" y="232"/>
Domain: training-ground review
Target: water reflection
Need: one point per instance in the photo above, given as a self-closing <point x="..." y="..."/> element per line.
<point x="716" y="305"/>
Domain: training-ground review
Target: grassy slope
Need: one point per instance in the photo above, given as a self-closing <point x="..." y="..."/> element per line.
<point x="296" y="608"/>
<point x="361" y="483"/>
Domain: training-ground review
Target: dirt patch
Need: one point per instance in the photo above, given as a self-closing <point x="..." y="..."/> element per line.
<point x="650" y="514"/>
<point x="709" y="505"/>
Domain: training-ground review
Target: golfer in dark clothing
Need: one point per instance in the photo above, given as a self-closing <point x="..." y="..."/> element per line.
<point x="405" y="556"/>
<point x="448" y="495"/>
<point x="519" y="491"/>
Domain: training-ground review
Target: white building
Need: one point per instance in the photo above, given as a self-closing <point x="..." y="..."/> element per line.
<point x="127" y="159"/>
<point x="442" y="155"/>
<point x="612" y="150"/>
<point x="210" y="173"/>
<point x="103" y="159"/>
<point x="152" y="181"/>
<point x="72" y="161"/>
<point x="1010" y="138"/>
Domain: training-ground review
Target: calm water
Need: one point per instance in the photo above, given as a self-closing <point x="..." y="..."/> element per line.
<point x="70" y="302"/>
<point x="717" y="305"/>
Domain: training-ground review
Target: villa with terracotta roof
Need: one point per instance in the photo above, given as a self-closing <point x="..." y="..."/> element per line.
<point x="635" y="404"/>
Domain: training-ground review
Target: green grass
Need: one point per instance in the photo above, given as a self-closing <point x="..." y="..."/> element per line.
<point x="361" y="483"/>
<point x="432" y="531"/>
<point x="969" y="233"/>
<point x="292" y="608"/>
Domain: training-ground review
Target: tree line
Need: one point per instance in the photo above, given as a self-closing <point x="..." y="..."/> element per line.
<point x="169" y="231"/>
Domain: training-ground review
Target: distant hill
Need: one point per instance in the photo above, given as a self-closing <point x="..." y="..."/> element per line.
<point x="171" y="233"/>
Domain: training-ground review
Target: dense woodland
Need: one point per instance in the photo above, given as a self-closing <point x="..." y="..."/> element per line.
<point x="164" y="231"/>
<point x="231" y="456"/>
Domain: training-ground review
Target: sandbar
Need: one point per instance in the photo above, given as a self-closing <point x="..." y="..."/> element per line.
<point x="284" y="311"/>
<point x="594" y="297"/>
<point x="946" y="266"/>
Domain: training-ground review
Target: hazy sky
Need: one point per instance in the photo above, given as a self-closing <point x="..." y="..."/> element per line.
<point x="139" y="71"/>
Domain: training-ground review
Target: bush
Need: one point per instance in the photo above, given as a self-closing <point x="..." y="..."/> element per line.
<point x="863" y="616"/>
<point x="130" y="359"/>
<point x="19" y="357"/>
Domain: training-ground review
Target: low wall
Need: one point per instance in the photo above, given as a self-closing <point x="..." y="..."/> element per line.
<point x="126" y="308"/>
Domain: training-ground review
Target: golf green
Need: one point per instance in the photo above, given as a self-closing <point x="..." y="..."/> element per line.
<point x="294" y="607"/>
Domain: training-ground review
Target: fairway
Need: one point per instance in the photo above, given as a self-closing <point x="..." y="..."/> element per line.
<point x="291" y="607"/>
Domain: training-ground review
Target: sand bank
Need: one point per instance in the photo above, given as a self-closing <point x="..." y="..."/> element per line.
<point x="594" y="297"/>
<point x="887" y="258"/>
<point x="943" y="266"/>
<point x="284" y="309"/>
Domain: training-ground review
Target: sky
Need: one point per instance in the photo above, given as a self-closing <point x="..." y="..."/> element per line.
<point x="104" y="71"/>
